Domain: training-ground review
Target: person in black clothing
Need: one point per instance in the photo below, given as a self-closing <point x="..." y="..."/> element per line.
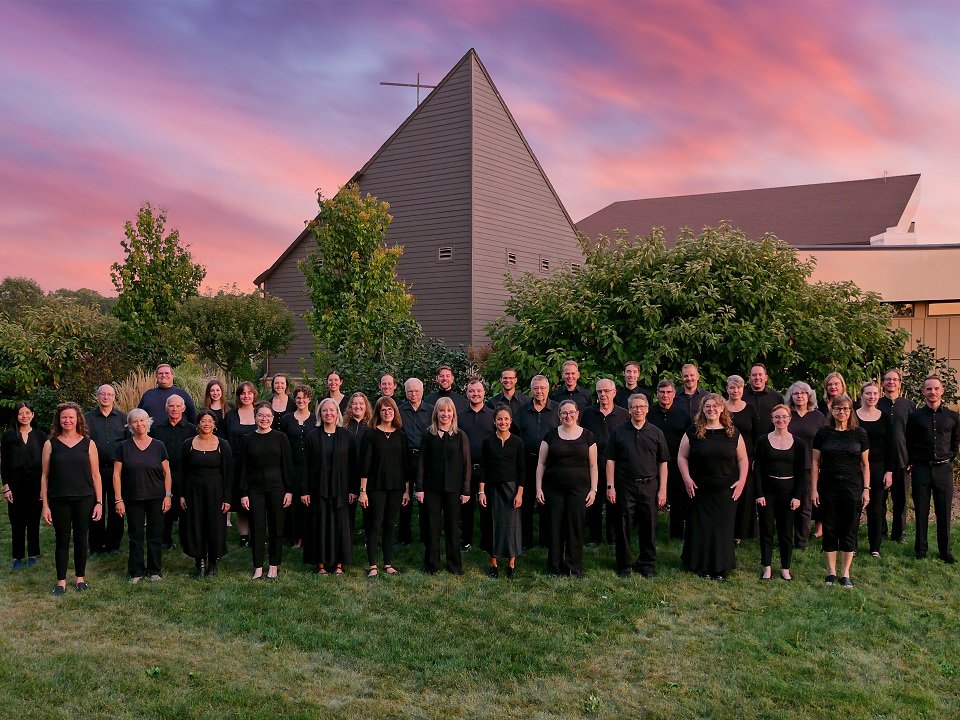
<point x="445" y="389"/>
<point x="334" y="390"/>
<point x="691" y="394"/>
<point x="207" y="473"/>
<point x="296" y="426"/>
<point x="535" y="420"/>
<point x="631" y="386"/>
<point x="673" y="421"/>
<point x="898" y="409"/>
<point x="880" y="433"/>
<point x="357" y="421"/>
<point x="510" y="396"/>
<point x="388" y="386"/>
<point x="933" y="436"/>
<point x="760" y="397"/>
<point x="240" y="422"/>
<point x="567" y="478"/>
<point x="143" y="487"/>
<point x="636" y="475"/>
<point x="215" y="400"/>
<point x="745" y="420"/>
<point x="805" y="422"/>
<point x="70" y="490"/>
<point x="332" y="485"/>
<point x="266" y="485"/>
<point x="840" y="485"/>
<point x="173" y="433"/>
<point x="571" y="389"/>
<point x="601" y="420"/>
<point x="281" y="403"/>
<point x="154" y="401"/>
<point x="833" y="387"/>
<point x="477" y="422"/>
<point x="384" y="481"/>
<point x="501" y="491"/>
<point x="21" y="464"/>
<point x="443" y="484"/>
<point x="108" y="428"/>
<point x="416" y="416"/>
<point x="779" y="473"/>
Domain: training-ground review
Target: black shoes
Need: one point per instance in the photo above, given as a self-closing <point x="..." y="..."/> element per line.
<point x="949" y="560"/>
<point x="510" y="571"/>
<point x="831" y="580"/>
<point x="58" y="590"/>
<point x="846" y="582"/>
<point x="493" y="572"/>
<point x="624" y="573"/>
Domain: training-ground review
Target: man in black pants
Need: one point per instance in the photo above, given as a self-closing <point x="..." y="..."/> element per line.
<point x="636" y="471"/>
<point x="477" y="422"/>
<point x="533" y="422"/>
<point x="173" y="434"/>
<point x="673" y="421"/>
<point x="416" y="416"/>
<point x="108" y="428"/>
<point x="602" y="419"/>
<point x="898" y="409"/>
<point x="933" y="436"/>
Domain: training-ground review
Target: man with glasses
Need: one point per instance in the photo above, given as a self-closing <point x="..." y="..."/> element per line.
<point x="533" y="422"/>
<point x="898" y="410"/>
<point x="602" y="419"/>
<point x="673" y="421"/>
<point x="510" y="395"/>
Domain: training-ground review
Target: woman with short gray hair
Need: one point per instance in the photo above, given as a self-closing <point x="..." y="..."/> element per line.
<point x="804" y="424"/>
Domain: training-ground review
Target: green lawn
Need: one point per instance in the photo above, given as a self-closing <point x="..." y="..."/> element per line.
<point x="323" y="647"/>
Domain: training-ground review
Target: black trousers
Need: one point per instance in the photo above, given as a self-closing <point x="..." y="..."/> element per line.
<point x="840" y="510"/>
<point x="876" y="508"/>
<point x="468" y="511"/>
<point x="803" y="515"/>
<point x="745" y="523"/>
<point x="145" y="515"/>
<point x="679" y="501"/>
<point x="446" y="504"/>
<point x="71" y="514"/>
<point x="565" y="515"/>
<point x="934" y="481"/>
<point x="899" y="492"/>
<point x="594" y="519"/>
<point x="266" y="524"/>
<point x="106" y="534"/>
<point x="777" y="515"/>
<point x="24" y="514"/>
<point x="636" y="506"/>
<point x="405" y="524"/>
<point x="529" y="507"/>
<point x="382" y="510"/>
<point x="172" y="515"/>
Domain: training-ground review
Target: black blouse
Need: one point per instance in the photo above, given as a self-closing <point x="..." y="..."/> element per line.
<point x="68" y="472"/>
<point x="444" y="463"/>
<point x="141" y="474"/>
<point x="568" y="461"/>
<point x="385" y="460"/>
<point x="502" y="462"/>
<point x="768" y="461"/>
<point x="19" y="459"/>
<point x="266" y="464"/>
<point x="331" y="462"/>
<point x="840" y="452"/>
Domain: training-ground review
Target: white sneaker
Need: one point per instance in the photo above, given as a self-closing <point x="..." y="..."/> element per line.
<point x="156" y="578"/>
<point x="137" y="578"/>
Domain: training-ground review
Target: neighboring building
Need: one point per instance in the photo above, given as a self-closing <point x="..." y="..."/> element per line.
<point x="861" y="230"/>
<point x="470" y="203"/>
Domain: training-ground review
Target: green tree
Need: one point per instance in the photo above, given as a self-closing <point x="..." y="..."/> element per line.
<point x="157" y="274"/>
<point x="17" y="294"/>
<point x="920" y="363"/>
<point x="717" y="299"/>
<point x="238" y="330"/>
<point x="86" y="297"/>
<point x="360" y="308"/>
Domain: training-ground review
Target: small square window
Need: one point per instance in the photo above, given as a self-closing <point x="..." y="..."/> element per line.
<point x="445" y="253"/>
<point x="511" y="258"/>
<point x="544" y="264"/>
<point x="575" y="267"/>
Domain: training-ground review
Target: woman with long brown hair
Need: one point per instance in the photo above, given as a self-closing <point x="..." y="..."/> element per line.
<point x="21" y="464"/>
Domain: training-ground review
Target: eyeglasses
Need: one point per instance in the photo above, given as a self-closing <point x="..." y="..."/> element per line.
<point x="780" y="417"/>
<point x="568" y="413"/>
<point x="845" y="409"/>
<point x="264" y="416"/>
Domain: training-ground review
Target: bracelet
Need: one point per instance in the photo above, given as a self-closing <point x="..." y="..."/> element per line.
<point x="169" y="495"/>
<point x="362" y="491"/>
<point x="118" y="502"/>
<point x="867" y="488"/>
<point x="609" y="487"/>
<point x="481" y="493"/>
<point x="592" y="490"/>
<point x="98" y="503"/>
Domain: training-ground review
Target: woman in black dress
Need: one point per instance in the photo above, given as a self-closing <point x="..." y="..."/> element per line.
<point x="281" y="403"/>
<point x="240" y="421"/>
<point x="443" y="485"/>
<point x="384" y="481"/>
<point x="21" y="464"/>
<point x="142" y="485"/>
<point x="713" y="462"/>
<point x="356" y="419"/>
<point x="882" y="446"/>
<point x="804" y="424"/>
<point x="297" y="426"/>
<point x="501" y="489"/>
<point x="215" y="400"/>
<point x="266" y="489"/>
<point x="840" y="485"/>
<point x="745" y="420"/>
<point x="566" y="487"/>
<point x="70" y="490"/>
<point x="778" y="473"/>
<point x="206" y="492"/>
<point x="331" y="486"/>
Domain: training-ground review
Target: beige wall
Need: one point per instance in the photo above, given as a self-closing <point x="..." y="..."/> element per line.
<point x="941" y="333"/>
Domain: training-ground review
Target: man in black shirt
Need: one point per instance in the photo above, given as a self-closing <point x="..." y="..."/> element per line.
<point x="762" y="398"/>
<point x="673" y="421"/>
<point x="416" y="416"/>
<point x="445" y="389"/>
<point x="533" y="422"/>
<point x="154" y="401"/>
<point x="477" y="422"/>
<point x="108" y="428"/>
<point x="933" y="437"/>
<point x="898" y="409"/>
<point x="636" y="472"/>
<point x="692" y="395"/>
<point x="173" y="433"/>
<point x="510" y="395"/>
<point x="602" y="419"/>
<point x="631" y="379"/>
<point x="571" y="389"/>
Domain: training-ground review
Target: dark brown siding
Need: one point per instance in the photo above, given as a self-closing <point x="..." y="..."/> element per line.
<point x="286" y="282"/>
<point x="514" y="209"/>
<point x="424" y="173"/>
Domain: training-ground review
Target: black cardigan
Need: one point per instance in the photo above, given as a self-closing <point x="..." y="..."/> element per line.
<point x="444" y="463"/>
<point x="760" y="457"/>
<point x="344" y="477"/>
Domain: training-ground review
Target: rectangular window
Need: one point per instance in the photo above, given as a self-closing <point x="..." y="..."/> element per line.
<point x="902" y="310"/>
<point x="943" y="308"/>
<point x="445" y="253"/>
<point x="575" y="267"/>
<point x="511" y="258"/>
<point x="544" y="264"/>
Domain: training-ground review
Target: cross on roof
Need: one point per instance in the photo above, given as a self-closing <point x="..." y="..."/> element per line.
<point x="418" y="85"/>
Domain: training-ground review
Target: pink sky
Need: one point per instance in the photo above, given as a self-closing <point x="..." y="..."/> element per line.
<point x="231" y="114"/>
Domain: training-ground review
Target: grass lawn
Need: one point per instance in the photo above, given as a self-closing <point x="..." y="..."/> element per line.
<point x="417" y="646"/>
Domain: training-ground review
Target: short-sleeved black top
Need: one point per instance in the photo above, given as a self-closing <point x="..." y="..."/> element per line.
<point x="840" y="452"/>
<point x="568" y="461"/>
<point x="141" y="477"/>
<point x="637" y="453"/>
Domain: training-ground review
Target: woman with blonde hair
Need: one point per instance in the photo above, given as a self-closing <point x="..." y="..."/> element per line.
<point x="880" y="433"/>
<point x="713" y="463"/>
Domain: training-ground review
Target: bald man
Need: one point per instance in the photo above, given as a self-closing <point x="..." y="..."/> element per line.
<point x="108" y="428"/>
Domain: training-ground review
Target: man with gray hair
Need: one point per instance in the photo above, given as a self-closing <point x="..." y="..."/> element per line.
<point x="108" y="428"/>
<point x="535" y="419"/>
<point x="173" y="433"/>
<point x="602" y="419"/>
<point x="416" y="416"/>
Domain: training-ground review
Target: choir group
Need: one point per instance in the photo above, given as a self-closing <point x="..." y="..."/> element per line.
<point x="547" y="468"/>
